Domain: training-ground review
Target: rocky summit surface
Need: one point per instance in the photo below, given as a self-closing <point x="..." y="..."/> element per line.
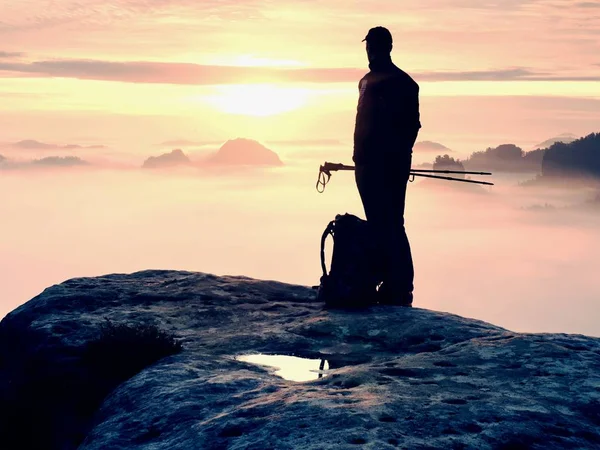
<point x="400" y="377"/>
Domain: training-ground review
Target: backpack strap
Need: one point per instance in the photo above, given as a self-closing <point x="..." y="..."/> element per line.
<point x="328" y="231"/>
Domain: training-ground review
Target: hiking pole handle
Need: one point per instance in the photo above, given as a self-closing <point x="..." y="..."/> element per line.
<point x="325" y="173"/>
<point x="329" y="167"/>
<point x="323" y="179"/>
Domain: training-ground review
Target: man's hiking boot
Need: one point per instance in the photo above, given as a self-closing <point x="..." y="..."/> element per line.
<point x="394" y="299"/>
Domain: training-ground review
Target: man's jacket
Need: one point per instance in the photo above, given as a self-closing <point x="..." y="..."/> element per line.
<point x="387" y="118"/>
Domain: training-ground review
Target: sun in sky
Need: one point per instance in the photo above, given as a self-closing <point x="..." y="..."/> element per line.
<point x="257" y="99"/>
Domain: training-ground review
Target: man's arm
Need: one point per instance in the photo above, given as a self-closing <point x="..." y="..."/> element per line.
<point x="402" y="104"/>
<point x="358" y="123"/>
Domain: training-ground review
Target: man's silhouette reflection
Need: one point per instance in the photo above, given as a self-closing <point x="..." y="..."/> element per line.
<point x="387" y="125"/>
<point x="337" y="361"/>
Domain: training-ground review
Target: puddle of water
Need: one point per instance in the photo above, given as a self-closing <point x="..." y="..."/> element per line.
<point x="291" y="367"/>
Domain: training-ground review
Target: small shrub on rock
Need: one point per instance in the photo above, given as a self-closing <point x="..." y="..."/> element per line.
<point x="122" y="350"/>
<point x="49" y="395"/>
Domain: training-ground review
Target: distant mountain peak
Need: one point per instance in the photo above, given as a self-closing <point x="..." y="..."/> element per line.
<point x="174" y="158"/>
<point x="564" y="137"/>
<point x="431" y="146"/>
<point x="243" y="151"/>
<point x="32" y="144"/>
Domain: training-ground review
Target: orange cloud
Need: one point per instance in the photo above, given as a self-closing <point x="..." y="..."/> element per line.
<point x="8" y="55"/>
<point x="198" y="74"/>
<point x="31" y="144"/>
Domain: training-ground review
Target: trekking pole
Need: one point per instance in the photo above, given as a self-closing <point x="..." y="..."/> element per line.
<point x="413" y="175"/>
<point x="449" y="171"/>
<point x="328" y="167"/>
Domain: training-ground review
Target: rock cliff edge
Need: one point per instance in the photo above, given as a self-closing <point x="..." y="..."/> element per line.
<point x="399" y="377"/>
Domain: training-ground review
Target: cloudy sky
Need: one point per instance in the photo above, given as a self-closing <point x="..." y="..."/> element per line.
<point x="181" y="69"/>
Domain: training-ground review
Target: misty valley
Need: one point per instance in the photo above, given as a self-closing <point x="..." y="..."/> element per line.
<point x="514" y="254"/>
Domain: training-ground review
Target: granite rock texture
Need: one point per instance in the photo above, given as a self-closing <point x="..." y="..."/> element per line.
<point x="400" y="377"/>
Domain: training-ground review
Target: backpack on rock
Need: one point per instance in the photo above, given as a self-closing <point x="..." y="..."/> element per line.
<point x="354" y="274"/>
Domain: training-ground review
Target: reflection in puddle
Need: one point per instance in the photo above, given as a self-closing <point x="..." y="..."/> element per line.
<point x="290" y="367"/>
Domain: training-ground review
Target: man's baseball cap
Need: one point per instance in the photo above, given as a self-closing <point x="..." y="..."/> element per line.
<point x="378" y="35"/>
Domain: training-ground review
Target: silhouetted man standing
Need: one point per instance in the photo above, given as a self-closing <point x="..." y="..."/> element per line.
<point x="387" y="125"/>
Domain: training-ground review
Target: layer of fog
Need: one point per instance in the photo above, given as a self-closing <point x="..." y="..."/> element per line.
<point x="478" y="253"/>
